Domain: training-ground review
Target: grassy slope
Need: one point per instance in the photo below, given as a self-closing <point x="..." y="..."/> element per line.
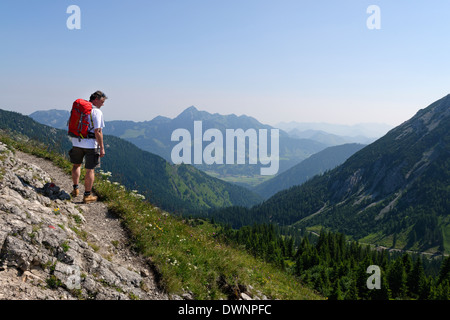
<point x="188" y="258"/>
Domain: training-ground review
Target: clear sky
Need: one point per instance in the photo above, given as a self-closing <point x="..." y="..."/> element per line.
<point x="275" y="60"/>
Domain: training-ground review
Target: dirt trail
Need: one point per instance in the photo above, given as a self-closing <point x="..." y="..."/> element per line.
<point x="103" y="228"/>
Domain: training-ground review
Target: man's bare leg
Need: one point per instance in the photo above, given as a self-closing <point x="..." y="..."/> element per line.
<point x="89" y="180"/>
<point x="76" y="172"/>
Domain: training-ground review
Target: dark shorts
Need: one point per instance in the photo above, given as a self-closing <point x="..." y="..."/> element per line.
<point x="92" y="158"/>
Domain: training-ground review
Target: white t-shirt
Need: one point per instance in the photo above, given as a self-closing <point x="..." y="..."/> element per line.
<point x="97" y="120"/>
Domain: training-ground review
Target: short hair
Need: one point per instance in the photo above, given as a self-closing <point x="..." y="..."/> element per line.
<point x="97" y="95"/>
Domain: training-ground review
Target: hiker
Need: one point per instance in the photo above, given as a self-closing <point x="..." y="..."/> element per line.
<point x="92" y="149"/>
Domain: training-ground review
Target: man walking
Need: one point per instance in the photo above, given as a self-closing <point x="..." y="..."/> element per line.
<point x="90" y="149"/>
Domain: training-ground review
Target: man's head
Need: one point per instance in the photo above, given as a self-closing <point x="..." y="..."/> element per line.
<point x="98" y="99"/>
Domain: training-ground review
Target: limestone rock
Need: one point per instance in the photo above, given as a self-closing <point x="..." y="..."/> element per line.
<point x="41" y="253"/>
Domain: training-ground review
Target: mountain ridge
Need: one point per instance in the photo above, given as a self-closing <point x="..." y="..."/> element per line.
<point x="318" y="163"/>
<point x="155" y="136"/>
<point x="393" y="192"/>
<point x="172" y="187"/>
<point x="369" y="129"/>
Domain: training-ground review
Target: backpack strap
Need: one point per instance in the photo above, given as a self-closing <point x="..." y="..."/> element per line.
<point x="92" y="125"/>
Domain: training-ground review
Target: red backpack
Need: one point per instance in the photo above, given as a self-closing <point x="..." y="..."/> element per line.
<point x="80" y="120"/>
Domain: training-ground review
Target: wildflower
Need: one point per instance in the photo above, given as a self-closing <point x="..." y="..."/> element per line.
<point x="140" y="196"/>
<point x="105" y="174"/>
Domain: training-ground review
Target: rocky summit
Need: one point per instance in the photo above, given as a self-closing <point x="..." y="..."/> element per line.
<point x="44" y="247"/>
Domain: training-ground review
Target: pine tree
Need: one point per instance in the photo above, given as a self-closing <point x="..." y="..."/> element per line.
<point x="407" y="263"/>
<point x="425" y="292"/>
<point x="445" y="270"/>
<point x="442" y="291"/>
<point x="337" y="292"/>
<point x="361" y="276"/>
<point x="383" y="293"/>
<point x="416" y="279"/>
<point x="352" y="293"/>
<point x="397" y="279"/>
<point x="298" y="268"/>
<point x="290" y="247"/>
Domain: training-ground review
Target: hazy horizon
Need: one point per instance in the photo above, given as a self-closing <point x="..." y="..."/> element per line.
<point x="225" y="114"/>
<point x="368" y="130"/>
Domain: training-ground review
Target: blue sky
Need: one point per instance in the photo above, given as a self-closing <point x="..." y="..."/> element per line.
<point x="284" y="60"/>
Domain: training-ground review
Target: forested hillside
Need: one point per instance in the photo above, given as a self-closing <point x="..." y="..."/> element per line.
<point x="338" y="268"/>
<point x="394" y="192"/>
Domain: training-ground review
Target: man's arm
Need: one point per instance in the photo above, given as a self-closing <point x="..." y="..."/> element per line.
<point x="99" y="137"/>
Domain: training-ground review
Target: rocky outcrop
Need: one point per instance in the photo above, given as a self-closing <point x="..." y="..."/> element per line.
<point x="44" y="252"/>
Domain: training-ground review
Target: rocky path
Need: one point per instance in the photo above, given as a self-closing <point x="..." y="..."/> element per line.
<point x="100" y="253"/>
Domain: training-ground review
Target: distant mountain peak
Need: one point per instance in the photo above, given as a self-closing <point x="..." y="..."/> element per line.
<point x="191" y="113"/>
<point x="161" y="119"/>
<point x="190" y="110"/>
<point x="232" y="120"/>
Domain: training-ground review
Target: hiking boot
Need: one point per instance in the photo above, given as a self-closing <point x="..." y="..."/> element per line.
<point x="90" y="198"/>
<point x="75" y="193"/>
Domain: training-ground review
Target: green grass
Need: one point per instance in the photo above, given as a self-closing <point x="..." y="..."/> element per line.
<point x="191" y="258"/>
<point x="186" y="254"/>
